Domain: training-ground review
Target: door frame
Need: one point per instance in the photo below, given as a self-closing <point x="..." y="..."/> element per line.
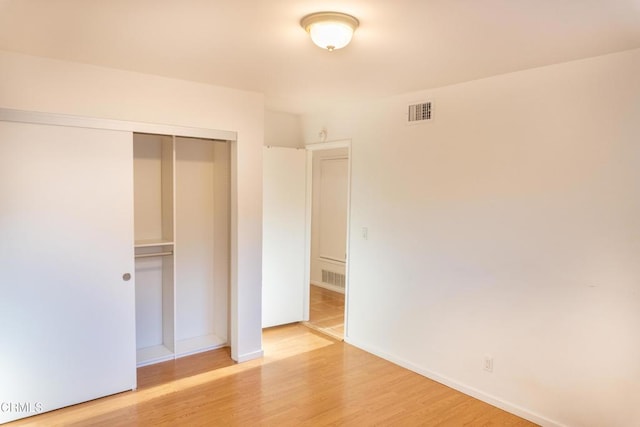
<point x="311" y="148"/>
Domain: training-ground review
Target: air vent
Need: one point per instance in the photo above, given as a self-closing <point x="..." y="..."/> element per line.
<point x="419" y="113"/>
<point x="333" y="278"/>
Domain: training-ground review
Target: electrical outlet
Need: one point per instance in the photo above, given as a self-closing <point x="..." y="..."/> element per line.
<point x="488" y="364"/>
<point x="365" y="233"/>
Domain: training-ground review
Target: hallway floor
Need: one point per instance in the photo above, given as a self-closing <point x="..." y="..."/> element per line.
<point x="326" y="311"/>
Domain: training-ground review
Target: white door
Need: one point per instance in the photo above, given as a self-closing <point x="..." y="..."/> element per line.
<point x="332" y="209"/>
<point x="66" y="240"/>
<point x="283" y="242"/>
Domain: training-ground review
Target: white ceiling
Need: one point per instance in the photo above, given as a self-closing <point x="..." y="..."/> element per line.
<point x="258" y="45"/>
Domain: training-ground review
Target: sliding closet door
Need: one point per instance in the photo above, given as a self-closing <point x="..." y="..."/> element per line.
<point x="66" y="249"/>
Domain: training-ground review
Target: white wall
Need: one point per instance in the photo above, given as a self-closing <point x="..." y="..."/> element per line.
<point x="282" y="129"/>
<point x="40" y="84"/>
<point x="508" y="226"/>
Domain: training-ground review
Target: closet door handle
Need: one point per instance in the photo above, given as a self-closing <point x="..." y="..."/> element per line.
<point x="126" y="277"/>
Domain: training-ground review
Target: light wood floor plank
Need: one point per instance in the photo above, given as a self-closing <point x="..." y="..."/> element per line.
<point x="305" y="379"/>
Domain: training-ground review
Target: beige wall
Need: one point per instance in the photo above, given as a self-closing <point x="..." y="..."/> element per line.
<point x="509" y="226"/>
<point x="282" y="129"/>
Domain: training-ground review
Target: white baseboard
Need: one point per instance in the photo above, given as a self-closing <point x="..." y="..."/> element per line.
<point x="463" y="388"/>
<point x="327" y="286"/>
<point x="249" y="356"/>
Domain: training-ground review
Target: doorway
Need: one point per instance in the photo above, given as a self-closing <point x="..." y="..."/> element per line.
<point x="328" y="205"/>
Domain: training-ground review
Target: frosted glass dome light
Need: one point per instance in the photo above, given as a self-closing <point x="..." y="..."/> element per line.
<point x="330" y="30"/>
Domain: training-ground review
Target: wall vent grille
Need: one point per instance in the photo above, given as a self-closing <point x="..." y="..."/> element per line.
<point x="333" y="278"/>
<point x="418" y="113"/>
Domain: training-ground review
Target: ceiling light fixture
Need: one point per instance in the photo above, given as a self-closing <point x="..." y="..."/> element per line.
<point x="330" y="30"/>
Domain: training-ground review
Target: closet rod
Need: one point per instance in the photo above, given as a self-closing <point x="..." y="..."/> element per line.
<point x="153" y="254"/>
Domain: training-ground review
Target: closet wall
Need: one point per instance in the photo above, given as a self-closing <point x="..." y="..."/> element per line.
<point x="181" y="195"/>
<point x="202" y="244"/>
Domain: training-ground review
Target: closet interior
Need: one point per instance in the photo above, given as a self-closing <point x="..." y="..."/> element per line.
<point x="181" y="228"/>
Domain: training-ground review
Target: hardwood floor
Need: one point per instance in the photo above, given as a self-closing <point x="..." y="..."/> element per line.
<point x="304" y="379"/>
<point x="326" y="311"/>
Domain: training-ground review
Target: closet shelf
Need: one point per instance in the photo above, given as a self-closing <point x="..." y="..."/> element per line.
<point x="152" y="243"/>
<point x="153" y="254"/>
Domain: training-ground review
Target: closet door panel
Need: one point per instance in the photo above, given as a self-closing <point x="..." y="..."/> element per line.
<point x="66" y="240"/>
<point x="283" y="235"/>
